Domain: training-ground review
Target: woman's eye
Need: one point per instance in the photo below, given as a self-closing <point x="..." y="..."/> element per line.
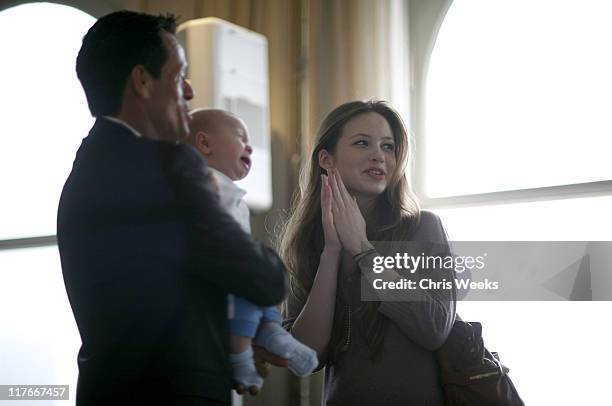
<point x="389" y="147"/>
<point x="361" y="142"/>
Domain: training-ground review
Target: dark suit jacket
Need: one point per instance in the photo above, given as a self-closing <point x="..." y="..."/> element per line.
<point x="148" y="258"/>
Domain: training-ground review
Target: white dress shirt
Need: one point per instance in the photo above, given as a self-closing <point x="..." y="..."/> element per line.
<point x="123" y="123"/>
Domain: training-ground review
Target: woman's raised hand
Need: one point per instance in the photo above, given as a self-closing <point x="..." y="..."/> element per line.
<point x="332" y="242"/>
<point x="349" y="222"/>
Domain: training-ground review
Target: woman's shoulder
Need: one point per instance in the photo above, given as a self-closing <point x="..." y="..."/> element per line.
<point x="429" y="218"/>
<point x="427" y="227"/>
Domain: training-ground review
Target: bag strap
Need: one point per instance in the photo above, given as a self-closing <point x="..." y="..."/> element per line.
<point x="463" y="378"/>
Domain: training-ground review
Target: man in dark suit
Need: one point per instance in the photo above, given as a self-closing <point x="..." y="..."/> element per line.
<point x="148" y="255"/>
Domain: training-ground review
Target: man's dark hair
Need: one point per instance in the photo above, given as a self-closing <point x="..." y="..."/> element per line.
<point x="112" y="47"/>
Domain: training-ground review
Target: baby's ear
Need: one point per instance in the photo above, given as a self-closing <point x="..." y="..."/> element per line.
<point x="202" y="142"/>
<point x="326" y="161"/>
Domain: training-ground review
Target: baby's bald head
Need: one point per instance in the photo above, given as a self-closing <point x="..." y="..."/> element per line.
<point x="210" y="120"/>
<point x="222" y="138"/>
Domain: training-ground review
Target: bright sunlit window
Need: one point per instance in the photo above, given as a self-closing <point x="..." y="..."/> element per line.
<point x="39" y="339"/>
<point x="518" y="93"/>
<point x="518" y="96"/>
<point x="44" y="112"/>
<point x="44" y="118"/>
<point x="581" y="219"/>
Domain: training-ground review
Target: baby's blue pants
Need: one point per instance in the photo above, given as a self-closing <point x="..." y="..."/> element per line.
<point x="247" y="316"/>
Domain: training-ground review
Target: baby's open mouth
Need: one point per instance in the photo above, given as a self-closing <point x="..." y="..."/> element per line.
<point x="246" y="161"/>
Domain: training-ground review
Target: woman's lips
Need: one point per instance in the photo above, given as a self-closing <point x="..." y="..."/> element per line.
<point x="375" y="173"/>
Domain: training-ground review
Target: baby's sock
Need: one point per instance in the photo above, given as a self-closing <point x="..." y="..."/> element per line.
<point x="302" y="359"/>
<point x="244" y="370"/>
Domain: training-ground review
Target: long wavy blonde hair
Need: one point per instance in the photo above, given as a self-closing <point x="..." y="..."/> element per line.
<point x="301" y="238"/>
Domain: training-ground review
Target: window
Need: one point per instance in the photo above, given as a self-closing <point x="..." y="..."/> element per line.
<point x="512" y="89"/>
<point x="514" y="146"/>
<point x="44" y="118"/>
<point x="44" y="113"/>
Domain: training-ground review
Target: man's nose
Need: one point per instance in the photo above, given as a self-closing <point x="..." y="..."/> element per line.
<point x="188" y="92"/>
<point x="249" y="149"/>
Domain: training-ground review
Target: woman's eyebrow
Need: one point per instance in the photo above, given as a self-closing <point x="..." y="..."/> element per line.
<point x="369" y="136"/>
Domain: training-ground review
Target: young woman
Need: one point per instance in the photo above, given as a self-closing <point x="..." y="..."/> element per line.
<point x="352" y="191"/>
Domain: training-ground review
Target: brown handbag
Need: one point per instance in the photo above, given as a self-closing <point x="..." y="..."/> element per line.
<point x="470" y="374"/>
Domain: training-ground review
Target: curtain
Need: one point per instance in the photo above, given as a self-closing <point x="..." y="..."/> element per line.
<point x="355" y="49"/>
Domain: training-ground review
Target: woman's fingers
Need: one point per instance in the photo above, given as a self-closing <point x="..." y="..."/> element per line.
<point x="347" y="218"/>
<point x="340" y="199"/>
<point x="327" y="216"/>
<point x="335" y="188"/>
<point x="326" y="198"/>
<point x="327" y="202"/>
<point x="323" y="192"/>
<point x="343" y="192"/>
<point x="348" y="201"/>
<point x="337" y="204"/>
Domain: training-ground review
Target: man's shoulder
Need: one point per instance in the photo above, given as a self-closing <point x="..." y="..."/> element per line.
<point x="113" y="138"/>
<point x="179" y="159"/>
<point x="110" y="143"/>
<point x="183" y="151"/>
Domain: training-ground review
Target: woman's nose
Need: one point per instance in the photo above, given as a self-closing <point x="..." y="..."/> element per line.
<point x="377" y="155"/>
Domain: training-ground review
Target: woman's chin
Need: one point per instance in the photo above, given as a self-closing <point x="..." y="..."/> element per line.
<point x="368" y="192"/>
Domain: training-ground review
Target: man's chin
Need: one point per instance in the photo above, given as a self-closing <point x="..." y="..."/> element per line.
<point x="181" y="135"/>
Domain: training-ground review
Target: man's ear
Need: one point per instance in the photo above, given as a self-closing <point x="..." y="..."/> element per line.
<point x="202" y="143"/>
<point x="326" y="160"/>
<point x="141" y="82"/>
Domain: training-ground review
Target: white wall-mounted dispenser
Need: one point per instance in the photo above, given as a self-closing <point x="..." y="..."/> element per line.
<point x="228" y="69"/>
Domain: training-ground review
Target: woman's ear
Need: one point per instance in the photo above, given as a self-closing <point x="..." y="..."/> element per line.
<point x="326" y="160"/>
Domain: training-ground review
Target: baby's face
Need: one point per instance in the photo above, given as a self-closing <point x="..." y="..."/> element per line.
<point x="230" y="150"/>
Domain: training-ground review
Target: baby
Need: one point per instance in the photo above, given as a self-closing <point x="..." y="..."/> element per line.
<point x="222" y="139"/>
